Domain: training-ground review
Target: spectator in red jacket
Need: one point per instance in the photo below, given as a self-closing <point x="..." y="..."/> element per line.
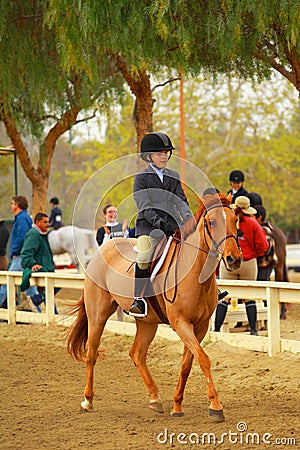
<point x="253" y="243"/>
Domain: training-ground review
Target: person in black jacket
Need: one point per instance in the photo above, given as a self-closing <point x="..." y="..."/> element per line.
<point x="162" y="208"/>
<point x="236" y="179"/>
<point x="55" y="219"/>
<point x="4" y="236"/>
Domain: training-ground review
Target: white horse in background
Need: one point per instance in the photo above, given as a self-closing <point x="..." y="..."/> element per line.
<point x="80" y="243"/>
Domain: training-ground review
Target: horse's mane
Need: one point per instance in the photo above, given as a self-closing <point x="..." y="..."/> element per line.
<point x="204" y="204"/>
<point x="211" y="200"/>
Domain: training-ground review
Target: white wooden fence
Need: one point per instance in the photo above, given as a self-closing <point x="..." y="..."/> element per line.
<point x="274" y="292"/>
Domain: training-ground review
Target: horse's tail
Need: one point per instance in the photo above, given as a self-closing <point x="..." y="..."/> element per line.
<point x="78" y="332"/>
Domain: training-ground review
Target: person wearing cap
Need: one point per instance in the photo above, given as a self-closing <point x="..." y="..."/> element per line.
<point x="162" y="208"/>
<point x="236" y="179"/>
<point x="55" y="219"/>
<point x="253" y="243"/>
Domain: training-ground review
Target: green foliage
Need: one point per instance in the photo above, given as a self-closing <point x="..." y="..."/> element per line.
<point x="59" y="53"/>
<point x="34" y="87"/>
<point x="229" y="125"/>
<point x="83" y="160"/>
<point x="248" y="38"/>
<point x="6" y="185"/>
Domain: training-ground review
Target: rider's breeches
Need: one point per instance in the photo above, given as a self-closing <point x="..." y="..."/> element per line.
<point x="247" y="271"/>
<point x="146" y="246"/>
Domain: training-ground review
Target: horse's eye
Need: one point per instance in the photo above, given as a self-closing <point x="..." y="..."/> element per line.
<point x="212" y="223"/>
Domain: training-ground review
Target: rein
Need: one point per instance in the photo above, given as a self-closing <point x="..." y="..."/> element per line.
<point x="168" y="270"/>
<point x="217" y="253"/>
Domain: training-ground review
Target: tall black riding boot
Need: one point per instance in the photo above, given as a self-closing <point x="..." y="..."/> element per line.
<point x="251" y="314"/>
<point x="222" y="295"/>
<point x="139" y="307"/>
<point x="221" y="312"/>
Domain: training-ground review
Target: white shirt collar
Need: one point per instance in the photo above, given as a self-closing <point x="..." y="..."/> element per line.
<point x="159" y="172"/>
<point x="111" y="224"/>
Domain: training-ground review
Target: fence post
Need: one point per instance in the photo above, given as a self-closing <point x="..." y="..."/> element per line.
<point x="49" y="292"/>
<point x="272" y="295"/>
<point x="11" y="299"/>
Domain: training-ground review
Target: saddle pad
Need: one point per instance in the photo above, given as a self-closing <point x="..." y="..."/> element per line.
<point x="161" y="260"/>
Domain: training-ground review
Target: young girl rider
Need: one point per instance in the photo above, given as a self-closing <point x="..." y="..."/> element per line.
<point x="162" y="208"/>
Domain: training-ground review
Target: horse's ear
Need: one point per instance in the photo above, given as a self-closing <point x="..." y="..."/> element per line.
<point x="229" y="196"/>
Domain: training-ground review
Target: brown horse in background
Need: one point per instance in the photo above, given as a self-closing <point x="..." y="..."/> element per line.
<point x="281" y="272"/>
<point x="185" y="288"/>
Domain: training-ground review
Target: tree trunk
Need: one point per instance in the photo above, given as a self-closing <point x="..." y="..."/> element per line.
<point x="39" y="176"/>
<point x="39" y="195"/>
<point x="141" y="88"/>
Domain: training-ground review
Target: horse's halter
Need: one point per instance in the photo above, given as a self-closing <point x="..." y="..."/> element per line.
<point x="216" y="245"/>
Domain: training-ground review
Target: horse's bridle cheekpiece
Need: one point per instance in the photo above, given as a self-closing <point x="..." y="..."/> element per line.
<point x="218" y="252"/>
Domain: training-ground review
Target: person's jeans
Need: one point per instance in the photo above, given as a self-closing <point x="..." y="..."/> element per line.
<point x="16" y="267"/>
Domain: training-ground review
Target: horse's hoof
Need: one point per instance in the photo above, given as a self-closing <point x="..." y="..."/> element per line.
<point x="217" y="415"/>
<point x="84" y="410"/>
<point x="86" y="406"/>
<point x="157" y="407"/>
<point x="177" y="414"/>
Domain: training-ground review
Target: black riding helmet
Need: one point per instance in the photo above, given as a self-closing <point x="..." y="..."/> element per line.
<point x="54" y="200"/>
<point x="236" y="176"/>
<point x="255" y="198"/>
<point x="155" y="142"/>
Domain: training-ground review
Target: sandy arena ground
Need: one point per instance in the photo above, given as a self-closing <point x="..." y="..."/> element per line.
<point x="42" y="387"/>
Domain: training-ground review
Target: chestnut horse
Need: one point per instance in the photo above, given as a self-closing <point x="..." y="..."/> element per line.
<point x="185" y="288"/>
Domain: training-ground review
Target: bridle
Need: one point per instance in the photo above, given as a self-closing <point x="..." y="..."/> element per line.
<point x="216" y="252"/>
<point x="216" y="245"/>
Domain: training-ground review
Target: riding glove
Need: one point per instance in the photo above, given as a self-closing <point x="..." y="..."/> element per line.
<point x="165" y="227"/>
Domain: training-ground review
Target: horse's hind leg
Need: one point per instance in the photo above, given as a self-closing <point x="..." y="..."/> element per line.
<point x="138" y="353"/>
<point x="92" y="345"/>
<point x="98" y="311"/>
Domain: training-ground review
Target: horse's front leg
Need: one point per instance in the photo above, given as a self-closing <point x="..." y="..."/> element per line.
<point x="185" y="331"/>
<point x="138" y="353"/>
<point x="185" y="369"/>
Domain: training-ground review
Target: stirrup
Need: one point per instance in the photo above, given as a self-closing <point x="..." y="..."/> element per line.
<point x="137" y="314"/>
